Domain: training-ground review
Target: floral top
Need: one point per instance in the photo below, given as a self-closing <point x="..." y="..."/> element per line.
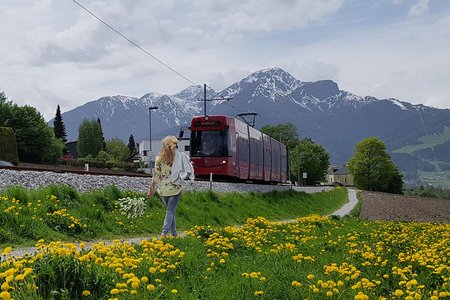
<point x="161" y="175"/>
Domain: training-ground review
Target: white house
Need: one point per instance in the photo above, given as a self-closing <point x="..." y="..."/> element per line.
<point x="144" y="149"/>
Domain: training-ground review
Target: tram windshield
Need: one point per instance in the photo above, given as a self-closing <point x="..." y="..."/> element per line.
<point x="210" y="143"/>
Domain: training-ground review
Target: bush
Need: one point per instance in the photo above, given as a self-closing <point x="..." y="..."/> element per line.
<point x="8" y="145"/>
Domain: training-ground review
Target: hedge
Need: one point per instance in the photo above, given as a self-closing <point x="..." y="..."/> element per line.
<point x="8" y="145"/>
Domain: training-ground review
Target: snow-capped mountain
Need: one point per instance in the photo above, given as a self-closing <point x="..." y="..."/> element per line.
<point x="321" y="111"/>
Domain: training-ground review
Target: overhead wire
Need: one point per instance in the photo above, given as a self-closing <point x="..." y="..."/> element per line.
<point x="134" y="44"/>
<point x="142" y="49"/>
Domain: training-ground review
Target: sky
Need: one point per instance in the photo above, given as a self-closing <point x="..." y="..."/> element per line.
<point x="53" y="52"/>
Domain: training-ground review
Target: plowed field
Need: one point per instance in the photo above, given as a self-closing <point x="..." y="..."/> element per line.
<point x="382" y="206"/>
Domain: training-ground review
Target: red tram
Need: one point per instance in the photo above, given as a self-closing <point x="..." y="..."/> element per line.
<point x="230" y="148"/>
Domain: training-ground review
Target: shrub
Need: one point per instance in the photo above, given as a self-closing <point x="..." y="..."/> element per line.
<point x="132" y="207"/>
<point x="8" y="145"/>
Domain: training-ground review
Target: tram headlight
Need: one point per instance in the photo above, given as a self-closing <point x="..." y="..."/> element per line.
<point x="224" y="162"/>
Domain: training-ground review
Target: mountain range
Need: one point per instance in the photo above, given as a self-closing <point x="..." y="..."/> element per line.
<point x="335" y="118"/>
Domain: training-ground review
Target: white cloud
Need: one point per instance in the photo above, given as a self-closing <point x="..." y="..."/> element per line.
<point x="419" y="8"/>
<point x="53" y="52"/>
<point x="227" y="16"/>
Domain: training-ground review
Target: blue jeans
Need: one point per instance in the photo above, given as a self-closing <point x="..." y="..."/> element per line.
<point x="169" y="220"/>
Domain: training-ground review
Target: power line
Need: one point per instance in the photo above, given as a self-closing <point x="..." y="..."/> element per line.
<point x="134" y="44"/>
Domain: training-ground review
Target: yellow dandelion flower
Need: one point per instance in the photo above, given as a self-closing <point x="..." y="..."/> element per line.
<point x="5" y="295"/>
<point x="296" y="283"/>
<point x="150" y="287"/>
<point x="86" y="293"/>
<point x="259" y="293"/>
<point x="310" y="277"/>
<point x="19" y="277"/>
<point x="114" y="291"/>
<point x="174" y="291"/>
<point x="7" y="250"/>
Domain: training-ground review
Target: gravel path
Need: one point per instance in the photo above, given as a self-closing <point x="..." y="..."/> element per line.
<point x="383" y="206"/>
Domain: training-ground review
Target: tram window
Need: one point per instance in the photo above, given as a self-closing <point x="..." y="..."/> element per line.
<point x="275" y="161"/>
<point x="210" y="143"/>
<point x="243" y="149"/>
<point x="267" y="157"/>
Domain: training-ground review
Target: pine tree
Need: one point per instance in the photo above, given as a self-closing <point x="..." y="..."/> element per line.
<point x="58" y="126"/>
<point x="131" y="144"/>
<point x="101" y="133"/>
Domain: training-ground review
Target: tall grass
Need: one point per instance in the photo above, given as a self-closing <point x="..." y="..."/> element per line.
<point x="312" y="258"/>
<point x="60" y="213"/>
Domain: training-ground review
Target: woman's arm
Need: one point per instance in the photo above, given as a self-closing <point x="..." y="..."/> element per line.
<point x="156" y="179"/>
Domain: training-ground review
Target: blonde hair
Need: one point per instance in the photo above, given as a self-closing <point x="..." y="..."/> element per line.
<point x="167" y="153"/>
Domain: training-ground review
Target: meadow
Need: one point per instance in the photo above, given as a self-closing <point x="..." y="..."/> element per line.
<point x="310" y="257"/>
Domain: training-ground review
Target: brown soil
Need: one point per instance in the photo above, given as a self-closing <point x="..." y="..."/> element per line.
<point x="383" y="206"/>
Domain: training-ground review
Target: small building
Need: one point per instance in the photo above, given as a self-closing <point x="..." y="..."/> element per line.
<point x="339" y="175"/>
<point x="144" y="149"/>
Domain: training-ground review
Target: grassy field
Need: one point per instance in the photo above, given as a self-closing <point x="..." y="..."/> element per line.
<point x="313" y="257"/>
<point x="60" y="213"/>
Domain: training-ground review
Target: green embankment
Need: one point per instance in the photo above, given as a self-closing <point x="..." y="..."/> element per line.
<point x="61" y="213"/>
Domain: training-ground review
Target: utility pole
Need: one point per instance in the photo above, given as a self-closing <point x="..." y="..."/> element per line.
<point x="213" y="99"/>
<point x="298" y="163"/>
<point x="150" y="136"/>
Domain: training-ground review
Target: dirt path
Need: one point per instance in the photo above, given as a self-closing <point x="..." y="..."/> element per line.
<point x="383" y="206"/>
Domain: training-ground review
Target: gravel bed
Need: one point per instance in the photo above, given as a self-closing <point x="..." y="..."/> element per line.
<point x="84" y="183"/>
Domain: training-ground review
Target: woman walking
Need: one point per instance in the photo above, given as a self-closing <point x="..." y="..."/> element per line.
<point x="169" y="166"/>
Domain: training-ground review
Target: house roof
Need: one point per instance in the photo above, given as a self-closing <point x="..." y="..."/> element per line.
<point x="343" y="170"/>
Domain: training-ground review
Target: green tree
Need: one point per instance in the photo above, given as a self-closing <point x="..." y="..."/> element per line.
<point x="117" y="149"/>
<point x="131" y="144"/>
<point x="310" y="158"/>
<point x="36" y="141"/>
<point x="5" y="109"/>
<point x="59" y="129"/>
<point x="58" y="126"/>
<point x="373" y="169"/>
<point x="285" y="133"/>
<point x="101" y="133"/>
<point x="89" y="138"/>
<point x="8" y="145"/>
